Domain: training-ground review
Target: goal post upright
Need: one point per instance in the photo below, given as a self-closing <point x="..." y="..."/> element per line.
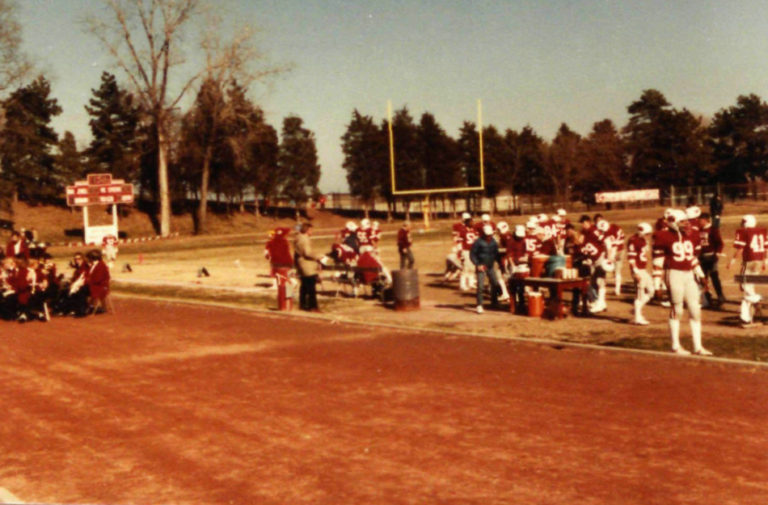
<point x="426" y="192"/>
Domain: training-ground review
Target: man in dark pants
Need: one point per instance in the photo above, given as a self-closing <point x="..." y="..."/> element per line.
<point x="404" y="243"/>
<point x="483" y="254"/>
<point x="711" y="250"/>
<point x="306" y="263"/>
<point x="716" y="209"/>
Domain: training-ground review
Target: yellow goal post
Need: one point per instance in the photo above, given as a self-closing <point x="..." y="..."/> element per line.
<point x="426" y="192"/>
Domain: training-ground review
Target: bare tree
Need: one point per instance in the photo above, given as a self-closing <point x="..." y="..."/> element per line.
<point x="234" y="60"/>
<point x="14" y="66"/>
<point x="144" y="38"/>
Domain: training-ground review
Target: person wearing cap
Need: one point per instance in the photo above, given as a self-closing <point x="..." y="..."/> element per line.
<point x="483" y="255"/>
<point x="750" y="244"/>
<point x="711" y="250"/>
<point x="637" y="257"/>
<point x="308" y="268"/>
<point x="404" y="243"/>
<point x="683" y="273"/>
<point x="502" y="229"/>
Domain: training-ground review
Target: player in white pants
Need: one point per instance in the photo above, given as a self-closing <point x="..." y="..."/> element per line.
<point x="750" y="244"/>
<point x="682" y="273"/>
<point x="637" y="256"/>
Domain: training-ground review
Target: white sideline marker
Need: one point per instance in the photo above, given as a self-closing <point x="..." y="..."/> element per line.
<point x="8" y="497"/>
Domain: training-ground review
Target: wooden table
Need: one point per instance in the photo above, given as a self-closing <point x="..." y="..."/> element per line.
<point x="556" y="288"/>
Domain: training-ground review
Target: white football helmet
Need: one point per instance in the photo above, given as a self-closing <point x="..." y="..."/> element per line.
<point x="603" y="225"/>
<point x="693" y="212"/>
<point x="503" y="227"/>
<point x="561" y="212"/>
<point x="542" y="218"/>
<point x="644" y="228"/>
<point x="351" y="226"/>
<point x="668" y="213"/>
<point x="365" y="223"/>
<point x="531" y="224"/>
<point x="488" y="229"/>
<point x="519" y="231"/>
<point x="485" y="218"/>
<point x="749" y="221"/>
<point x="375" y="225"/>
<point x="465" y="216"/>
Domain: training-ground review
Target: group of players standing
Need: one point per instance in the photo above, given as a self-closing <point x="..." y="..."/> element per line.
<point x="31" y="289"/>
<point x="684" y="248"/>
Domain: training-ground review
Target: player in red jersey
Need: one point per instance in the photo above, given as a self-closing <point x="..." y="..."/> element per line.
<point x="657" y="259"/>
<point x="591" y="255"/>
<point x="614" y="238"/>
<point x="467" y="237"/>
<point x="375" y="236"/>
<point x="364" y="236"/>
<point x="750" y="243"/>
<point x="683" y="274"/>
<point x="637" y="257"/>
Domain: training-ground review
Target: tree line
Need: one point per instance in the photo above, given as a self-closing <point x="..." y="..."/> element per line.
<point x="660" y="146"/>
<point x="221" y="145"/>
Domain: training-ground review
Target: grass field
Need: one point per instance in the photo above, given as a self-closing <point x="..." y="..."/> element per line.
<point x="239" y="275"/>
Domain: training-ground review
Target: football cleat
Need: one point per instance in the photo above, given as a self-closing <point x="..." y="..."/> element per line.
<point x="703" y="352"/>
<point x="681" y="351"/>
<point x="479" y="309"/>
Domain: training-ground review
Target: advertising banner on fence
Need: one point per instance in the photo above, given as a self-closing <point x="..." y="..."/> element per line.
<point x="633" y="195"/>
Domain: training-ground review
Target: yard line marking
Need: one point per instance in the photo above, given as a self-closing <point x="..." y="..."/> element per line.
<point x="8" y="497"/>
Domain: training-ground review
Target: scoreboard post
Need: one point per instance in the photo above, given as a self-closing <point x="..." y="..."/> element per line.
<point x="99" y="189"/>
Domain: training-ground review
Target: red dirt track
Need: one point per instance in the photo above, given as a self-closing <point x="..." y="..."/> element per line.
<point x="172" y="403"/>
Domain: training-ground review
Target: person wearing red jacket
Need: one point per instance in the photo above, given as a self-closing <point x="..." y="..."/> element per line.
<point x="404" y="243"/>
<point x="17" y="246"/>
<point x="22" y="282"/>
<point x="97" y="280"/>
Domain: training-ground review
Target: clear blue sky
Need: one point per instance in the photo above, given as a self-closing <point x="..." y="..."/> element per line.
<point x="537" y="62"/>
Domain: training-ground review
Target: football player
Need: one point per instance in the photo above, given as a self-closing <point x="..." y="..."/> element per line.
<point x="750" y="244"/>
<point x="637" y="257"/>
<point x="683" y="274"/>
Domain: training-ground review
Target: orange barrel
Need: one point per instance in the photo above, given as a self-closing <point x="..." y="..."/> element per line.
<point x="535" y="304"/>
<point x="537" y="265"/>
<point x="284" y="301"/>
<point x="568" y="261"/>
<point x="405" y="289"/>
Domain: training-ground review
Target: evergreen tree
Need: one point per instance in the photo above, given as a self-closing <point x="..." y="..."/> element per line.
<point x="740" y="140"/>
<point x="439" y="155"/>
<point x="531" y="177"/>
<point x="496" y="162"/>
<point x="605" y="161"/>
<point x="363" y="145"/>
<point x="665" y="145"/>
<point x="28" y="140"/>
<point x="409" y="174"/>
<point x="69" y="161"/>
<point x="297" y="162"/>
<point x="565" y="162"/>
<point x="115" y="127"/>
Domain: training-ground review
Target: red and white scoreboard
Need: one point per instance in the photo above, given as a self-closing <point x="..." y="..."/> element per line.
<point x="99" y="189"/>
